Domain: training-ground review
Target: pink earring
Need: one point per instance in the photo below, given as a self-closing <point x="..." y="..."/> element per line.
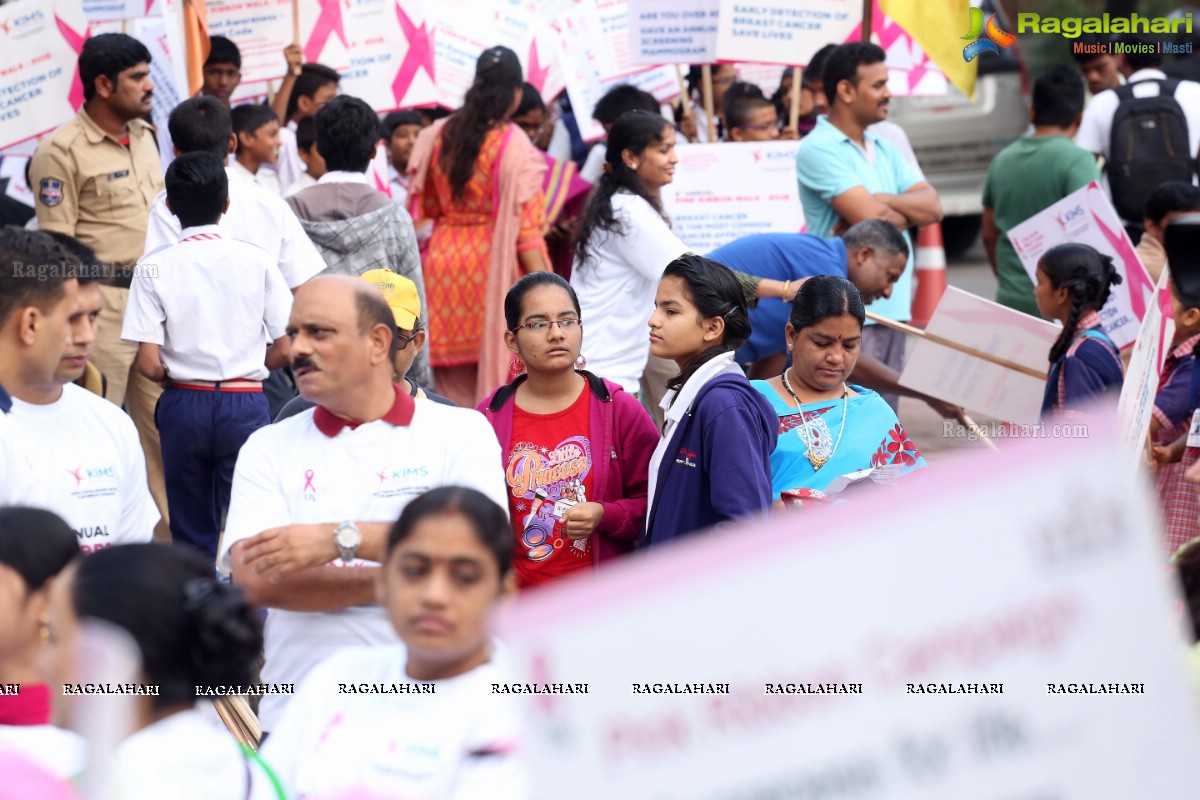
<point x="580" y="362"/>
<point x="515" y="367"/>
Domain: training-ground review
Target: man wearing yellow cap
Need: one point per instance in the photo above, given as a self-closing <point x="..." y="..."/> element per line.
<point x="401" y="296"/>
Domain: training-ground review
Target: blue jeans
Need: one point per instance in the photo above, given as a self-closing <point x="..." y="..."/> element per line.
<point x="201" y="434"/>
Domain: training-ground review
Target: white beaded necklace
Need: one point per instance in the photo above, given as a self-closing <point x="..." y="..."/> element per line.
<point x="816" y="459"/>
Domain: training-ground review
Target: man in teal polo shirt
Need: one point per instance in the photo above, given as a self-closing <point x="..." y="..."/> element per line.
<point x="848" y="174"/>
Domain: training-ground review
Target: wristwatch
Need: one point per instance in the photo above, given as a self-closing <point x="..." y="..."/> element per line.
<point x="347" y="538"/>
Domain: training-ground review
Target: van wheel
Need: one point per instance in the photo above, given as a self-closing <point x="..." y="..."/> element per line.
<point x="959" y="233"/>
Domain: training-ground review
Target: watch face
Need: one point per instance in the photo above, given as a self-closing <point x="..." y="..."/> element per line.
<point x="346" y="536"/>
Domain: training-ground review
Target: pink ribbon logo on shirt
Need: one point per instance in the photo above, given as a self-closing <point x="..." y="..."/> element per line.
<point x="75" y="41"/>
<point x="418" y="57"/>
<point x="308" y="482"/>
<point x="329" y="22"/>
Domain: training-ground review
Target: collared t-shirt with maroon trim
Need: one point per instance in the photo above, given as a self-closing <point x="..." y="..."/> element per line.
<point x="299" y="471"/>
<point x="549" y="468"/>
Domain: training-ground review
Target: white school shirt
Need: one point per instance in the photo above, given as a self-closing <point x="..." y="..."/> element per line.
<point x="266" y="178"/>
<point x="459" y="743"/>
<point x="616" y="288"/>
<point x="289" y="165"/>
<point x="302" y="183"/>
<point x="292" y="473"/>
<point x="59" y="752"/>
<point x="87" y="464"/>
<point x="1095" y="129"/>
<point x="255" y="216"/>
<point x="214" y="304"/>
<point x="184" y="757"/>
<point x="673" y="412"/>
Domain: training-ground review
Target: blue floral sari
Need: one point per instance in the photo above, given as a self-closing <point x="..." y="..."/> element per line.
<point x="872" y="437"/>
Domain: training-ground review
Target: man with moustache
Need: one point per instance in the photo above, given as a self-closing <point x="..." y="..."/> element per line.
<point x="315" y="495"/>
<point x="848" y="174"/>
<point x="83" y="452"/>
<point x="95" y="178"/>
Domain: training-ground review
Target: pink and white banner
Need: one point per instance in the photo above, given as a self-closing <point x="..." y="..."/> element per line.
<point x="1087" y="217"/>
<point x="261" y="30"/>
<point x="1005" y="628"/>
<point x="391" y="54"/>
<point x="40" y="42"/>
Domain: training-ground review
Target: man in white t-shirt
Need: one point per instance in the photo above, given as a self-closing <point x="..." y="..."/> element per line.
<point x="85" y="457"/>
<point x="317" y="493"/>
<point x="1095" y="129"/>
<point x="38" y="294"/>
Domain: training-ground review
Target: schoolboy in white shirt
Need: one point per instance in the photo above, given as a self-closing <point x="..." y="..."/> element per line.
<point x="203" y="312"/>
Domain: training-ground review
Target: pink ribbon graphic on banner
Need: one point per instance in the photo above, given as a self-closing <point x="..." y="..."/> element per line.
<point x="537" y="75"/>
<point x="75" y="41"/>
<point x="888" y="32"/>
<point x="418" y="57"/>
<point x="1141" y="290"/>
<point x="329" y="22"/>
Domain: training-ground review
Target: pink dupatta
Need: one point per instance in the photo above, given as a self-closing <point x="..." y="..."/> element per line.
<point x="518" y="177"/>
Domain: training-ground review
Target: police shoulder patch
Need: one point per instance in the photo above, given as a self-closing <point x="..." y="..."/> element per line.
<point x="50" y="192"/>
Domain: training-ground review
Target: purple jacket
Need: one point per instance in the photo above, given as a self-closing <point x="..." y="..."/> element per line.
<point x="620" y="427"/>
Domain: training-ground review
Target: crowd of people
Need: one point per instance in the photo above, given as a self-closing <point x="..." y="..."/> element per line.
<point x="255" y="379"/>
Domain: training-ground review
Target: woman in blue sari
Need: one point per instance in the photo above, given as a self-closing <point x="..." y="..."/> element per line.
<point x="828" y="428"/>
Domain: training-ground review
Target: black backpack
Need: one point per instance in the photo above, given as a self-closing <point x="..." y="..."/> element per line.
<point x="1149" y="145"/>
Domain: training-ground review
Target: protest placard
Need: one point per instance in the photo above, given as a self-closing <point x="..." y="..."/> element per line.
<point x="40" y="42"/>
<point x="464" y="31"/>
<point x="782" y="31"/>
<point x="578" y="54"/>
<point x="673" y="31"/>
<point x="1135" y="409"/>
<point x="722" y="192"/>
<point x="1087" y="217"/>
<point x="973" y="383"/>
<point x="391" y="54"/>
<point x="1004" y="629"/>
<point x="152" y="32"/>
<point x="261" y="30"/>
<point x="108" y="10"/>
<point x="323" y="32"/>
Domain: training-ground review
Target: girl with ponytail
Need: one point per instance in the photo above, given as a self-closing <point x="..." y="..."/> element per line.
<point x="713" y="463"/>
<point x="478" y="178"/>
<point x="196" y="636"/>
<point x="1073" y="284"/>
<point x="623" y="244"/>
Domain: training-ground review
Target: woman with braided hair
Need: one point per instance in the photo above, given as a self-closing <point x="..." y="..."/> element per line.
<point x="478" y="177"/>
<point x="1073" y="284"/>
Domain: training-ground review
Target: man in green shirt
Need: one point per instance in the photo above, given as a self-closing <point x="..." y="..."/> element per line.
<point x="1031" y="174"/>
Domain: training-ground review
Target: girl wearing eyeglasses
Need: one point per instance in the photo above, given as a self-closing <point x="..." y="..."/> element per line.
<point x="575" y="447"/>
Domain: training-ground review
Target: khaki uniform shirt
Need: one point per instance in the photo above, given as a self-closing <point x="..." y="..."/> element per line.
<point x="90" y="186"/>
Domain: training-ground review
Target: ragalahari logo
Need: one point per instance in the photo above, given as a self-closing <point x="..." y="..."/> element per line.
<point x="993" y="36"/>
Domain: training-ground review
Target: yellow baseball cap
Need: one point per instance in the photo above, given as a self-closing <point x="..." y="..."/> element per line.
<point x="400" y="294"/>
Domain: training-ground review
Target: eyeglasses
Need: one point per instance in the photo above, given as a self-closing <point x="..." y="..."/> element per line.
<point x="531" y="129"/>
<point x="405" y="341"/>
<point x="543" y="326"/>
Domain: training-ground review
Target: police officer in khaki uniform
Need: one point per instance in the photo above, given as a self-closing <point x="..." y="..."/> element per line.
<point x="95" y="179"/>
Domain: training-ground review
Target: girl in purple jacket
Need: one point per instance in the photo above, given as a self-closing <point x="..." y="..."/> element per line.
<point x="713" y="463"/>
<point x="575" y="447"/>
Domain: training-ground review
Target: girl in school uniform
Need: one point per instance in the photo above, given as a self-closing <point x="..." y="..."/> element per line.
<point x="192" y="632"/>
<point x="35" y="546"/>
<point x="1073" y="284"/>
<point x="438" y="731"/>
<point x="712" y="464"/>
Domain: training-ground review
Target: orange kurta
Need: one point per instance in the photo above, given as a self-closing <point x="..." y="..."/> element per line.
<point x="456" y="263"/>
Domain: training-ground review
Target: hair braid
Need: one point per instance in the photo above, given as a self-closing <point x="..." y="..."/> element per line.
<point x="1078" y="300"/>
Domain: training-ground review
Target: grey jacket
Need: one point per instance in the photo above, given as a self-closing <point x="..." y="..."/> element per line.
<point x="357" y="228"/>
